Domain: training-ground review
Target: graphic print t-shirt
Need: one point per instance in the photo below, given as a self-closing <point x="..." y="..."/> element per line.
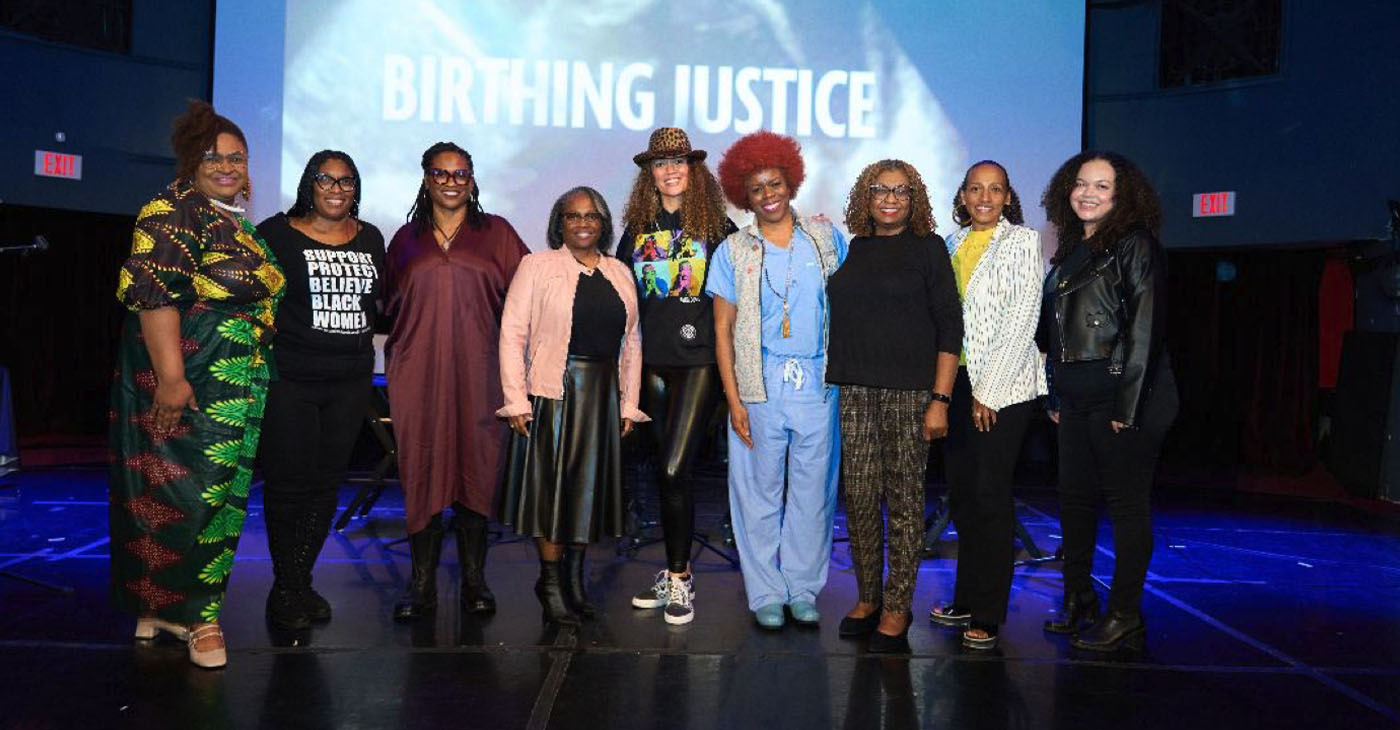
<point x="670" y="268"/>
<point x="325" y="326"/>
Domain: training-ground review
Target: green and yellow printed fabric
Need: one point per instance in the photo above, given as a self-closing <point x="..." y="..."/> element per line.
<point x="178" y="499"/>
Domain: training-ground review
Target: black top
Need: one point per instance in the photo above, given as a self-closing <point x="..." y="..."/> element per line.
<point x="670" y="268"/>
<point x="599" y="318"/>
<point x="325" y="325"/>
<point x="894" y="307"/>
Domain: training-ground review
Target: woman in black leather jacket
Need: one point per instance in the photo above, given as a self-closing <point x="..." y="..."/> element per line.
<point x="1111" y="385"/>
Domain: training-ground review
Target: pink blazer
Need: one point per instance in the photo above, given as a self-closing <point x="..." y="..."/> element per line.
<point x="538" y="320"/>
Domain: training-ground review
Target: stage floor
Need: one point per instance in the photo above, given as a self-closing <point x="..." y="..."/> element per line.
<point x="1262" y="612"/>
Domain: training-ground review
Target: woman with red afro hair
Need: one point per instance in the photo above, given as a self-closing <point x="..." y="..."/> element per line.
<point x="768" y="284"/>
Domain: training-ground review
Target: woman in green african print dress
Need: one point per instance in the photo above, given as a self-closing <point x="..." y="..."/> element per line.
<point x="192" y="373"/>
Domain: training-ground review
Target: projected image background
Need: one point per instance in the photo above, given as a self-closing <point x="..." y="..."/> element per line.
<point x="550" y="95"/>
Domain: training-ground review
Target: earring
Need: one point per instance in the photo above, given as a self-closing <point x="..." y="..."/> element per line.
<point x="247" y="190"/>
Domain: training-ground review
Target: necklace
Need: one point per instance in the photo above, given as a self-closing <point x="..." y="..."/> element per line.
<point x="446" y="242"/>
<point x="221" y="205"/>
<point x="596" y="256"/>
<point x="787" y="289"/>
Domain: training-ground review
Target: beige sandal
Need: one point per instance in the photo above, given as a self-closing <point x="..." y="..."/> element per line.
<point x="148" y="627"/>
<point x="210" y="658"/>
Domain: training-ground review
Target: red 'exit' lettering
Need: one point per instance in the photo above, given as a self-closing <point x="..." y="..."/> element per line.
<point x="1213" y="203"/>
<point x="55" y="164"/>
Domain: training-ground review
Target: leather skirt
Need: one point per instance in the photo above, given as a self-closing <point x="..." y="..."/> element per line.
<point x="564" y="482"/>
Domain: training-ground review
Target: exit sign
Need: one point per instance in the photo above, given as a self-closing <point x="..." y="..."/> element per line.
<point x="1209" y="205"/>
<point x="58" y="164"/>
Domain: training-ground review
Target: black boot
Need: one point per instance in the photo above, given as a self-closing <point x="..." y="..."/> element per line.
<point x="575" y="584"/>
<point x="312" y="536"/>
<point x="1113" y="630"/>
<point x="1078" y="612"/>
<point x="551" y="595"/>
<point x="477" y="597"/>
<point x="284" y="609"/>
<point x="420" y="597"/>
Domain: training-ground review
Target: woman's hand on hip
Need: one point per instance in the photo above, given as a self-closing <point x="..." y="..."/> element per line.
<point x="172" y="397"/>
<point x="520" y="424"/>
<point x="739" y="421"/>
<point x="935" y="421"/>
<point x="983" y="418"/>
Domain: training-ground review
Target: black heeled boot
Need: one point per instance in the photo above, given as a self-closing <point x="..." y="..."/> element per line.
<point x="477" y="597"/>
<point x="1079" y="611"/>
<point x="575" y="583"/>
<point x="551" y="594"/>
<point x="420" y="597"/>
<point x="1113" y="630"/>
<point x="312" y="537"/>
<point x="284" y="609"/>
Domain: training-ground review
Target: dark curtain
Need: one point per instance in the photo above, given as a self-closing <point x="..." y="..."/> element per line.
<point x="1246" y="357"/>
<point x="59" y="318"/>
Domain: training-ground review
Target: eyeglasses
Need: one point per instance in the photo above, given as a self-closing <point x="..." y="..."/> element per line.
<point x="590" y="216"/>
<point x="665" y="162"/>
<point x="326" y="182"/>
<point x="440" y="176"/>
<point x="900" y="192"/>
<point x="214" y="159"/>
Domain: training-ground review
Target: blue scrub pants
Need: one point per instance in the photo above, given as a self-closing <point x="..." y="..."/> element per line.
<point x="782" y="492"/>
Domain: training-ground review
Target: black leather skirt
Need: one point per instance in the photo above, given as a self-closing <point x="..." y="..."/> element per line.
<point x="564" y="482"/>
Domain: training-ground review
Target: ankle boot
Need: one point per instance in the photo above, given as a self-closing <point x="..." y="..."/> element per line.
<point x="420" y="597"/>
<point x="1079" y="611"/>
<point x="575" y="584"/>
<point x="284" y="608"/>
<point x="477" y="597"/>
<point x="1113" y="630"/>
<point x="551" y="594"/>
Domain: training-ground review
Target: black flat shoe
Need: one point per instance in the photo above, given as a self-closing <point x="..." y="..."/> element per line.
<point x="981" y="643"/>
<point x="852" y="627"/>
<point x="949" y="614"/>
<point x="1115" y="629"/>
<point x="882" y="643"/>
<point x="1078" y="613"/>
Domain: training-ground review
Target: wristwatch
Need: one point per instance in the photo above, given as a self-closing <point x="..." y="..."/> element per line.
<point x="941" y="398"/>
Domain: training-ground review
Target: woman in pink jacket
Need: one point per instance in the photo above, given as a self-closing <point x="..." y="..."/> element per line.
<point x="570" y="372"/>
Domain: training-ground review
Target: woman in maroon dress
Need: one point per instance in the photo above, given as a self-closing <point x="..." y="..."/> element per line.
<point x="445" y="287"/>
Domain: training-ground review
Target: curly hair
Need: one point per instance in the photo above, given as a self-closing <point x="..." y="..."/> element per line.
<point x="755" y="152"/>
<point x="194" y="132"/>
<point x="1012" y="209"/>
<point x="305" y="201"/>
<point x="858" y="220"/>
<point x="554" y="234"/>
<point x="702" y="203"/>
<point x="1135" y="204"/>
<point x="421" y="214"/>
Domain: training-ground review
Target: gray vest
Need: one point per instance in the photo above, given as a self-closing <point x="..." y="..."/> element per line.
<point x="746" y="255"/>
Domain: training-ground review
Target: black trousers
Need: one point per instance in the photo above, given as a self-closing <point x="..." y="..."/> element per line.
<point x="308" y="433"/>
<point x="680" y="401"/>
<point x="1120" y="466"/>
<point x="980" y="466"/>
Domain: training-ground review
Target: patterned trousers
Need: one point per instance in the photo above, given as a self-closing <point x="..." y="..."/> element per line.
<point x="883" y="454"/>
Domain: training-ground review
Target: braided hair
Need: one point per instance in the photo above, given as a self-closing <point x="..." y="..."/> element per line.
<point x="421" y="214"/>
<point x="306" y="196"/>
<point x="1012" y="210"/>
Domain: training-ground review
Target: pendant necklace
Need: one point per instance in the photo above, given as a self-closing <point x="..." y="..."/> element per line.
<point x="787" y="289"/>
<point x="446" y="239"/>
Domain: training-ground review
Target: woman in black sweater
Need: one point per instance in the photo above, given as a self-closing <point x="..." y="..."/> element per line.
<point x="325" y="354"/>
<point x="896" y="331"/>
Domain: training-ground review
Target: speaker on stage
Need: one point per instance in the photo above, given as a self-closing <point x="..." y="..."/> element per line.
<point x="1364" y="452"/>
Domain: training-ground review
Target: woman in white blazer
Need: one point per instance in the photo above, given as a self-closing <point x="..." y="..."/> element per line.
<point x="998" y="267"/>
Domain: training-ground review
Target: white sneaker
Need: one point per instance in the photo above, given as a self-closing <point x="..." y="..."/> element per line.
<point x="655" y="596"/>
<point x="680" y="594"/>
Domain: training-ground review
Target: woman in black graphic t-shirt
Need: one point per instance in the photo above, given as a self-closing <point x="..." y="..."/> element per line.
<point x="325" y="357"/>
<point x="674" y="220"/>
